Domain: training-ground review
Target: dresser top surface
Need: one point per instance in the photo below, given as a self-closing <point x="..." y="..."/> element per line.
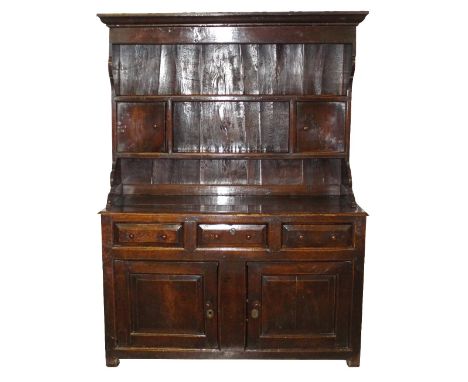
<point x="290" y="18"/>
<point x="276" y="205"/>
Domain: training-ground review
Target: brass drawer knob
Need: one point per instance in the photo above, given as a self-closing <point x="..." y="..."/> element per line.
<point x="163" y="237"/>
<point x="232" y="231"/>
<point x="131" y="236"/>
<point x="305" y="128"/>
<point x="155" y="126"/>
<point x="333" y="237"/>
<point x="248" y="236"/>
<point x="216" y="236"/>
<point x="301" y="236"/>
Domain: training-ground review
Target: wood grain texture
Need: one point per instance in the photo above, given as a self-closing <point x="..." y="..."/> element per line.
<point x="231" y="127"/>
<point x="318" y="173"/>
<point x="230" y="69"/>
<point x="139" y="69"/>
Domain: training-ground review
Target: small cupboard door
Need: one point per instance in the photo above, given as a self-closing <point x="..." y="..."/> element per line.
<point x="141" y="127"/>
<point x="299" y="305"/>
<point x="166" y="304"/>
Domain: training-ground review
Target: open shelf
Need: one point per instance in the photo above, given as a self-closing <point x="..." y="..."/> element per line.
<point x="240" y="97"/>
<point x="327" y="154"/>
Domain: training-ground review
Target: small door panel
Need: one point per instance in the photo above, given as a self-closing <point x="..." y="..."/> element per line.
<point x="166" y="304"/>
<point x="140" y="127"/>
<point x="299" y="305"/>
<point x="320" y="126"/>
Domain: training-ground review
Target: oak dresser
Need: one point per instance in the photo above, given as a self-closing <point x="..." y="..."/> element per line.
<point x="231" y="229"/>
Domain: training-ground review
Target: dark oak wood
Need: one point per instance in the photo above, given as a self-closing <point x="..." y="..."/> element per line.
<point x="140" y="127"/>
<point x="231" y="228"/>
<point x="298" y="305"/>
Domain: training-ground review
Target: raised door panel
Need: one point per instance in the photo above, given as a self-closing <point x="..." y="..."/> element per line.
<point x="140" y="127"/>
<point x="299" y="305"/>
<point x="166" y="304"/>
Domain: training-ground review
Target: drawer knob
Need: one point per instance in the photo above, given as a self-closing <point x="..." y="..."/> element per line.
<point x="155" y="126"/>
<point x="216" y="236"/>
<point x="248" y="236"/>
<point x="163" y="236"/>
<point x="301" y="236"/>
<point x="333" y="237"/>
<point x="131" y="236"/>
<point x="305" y="128"/>
<point x="232" y="231"/>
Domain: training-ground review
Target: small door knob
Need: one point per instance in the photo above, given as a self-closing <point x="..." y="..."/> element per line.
<point x="131" y="236"/>
<point x="209" y="310"/>
<point x="209" y="313"/>
<point x="232" y="231"/>
<point x="255" y="312"/>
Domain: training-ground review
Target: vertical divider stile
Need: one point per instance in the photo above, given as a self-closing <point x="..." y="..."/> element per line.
<point x="292" y="125"/>
<point x="169" y="126"/>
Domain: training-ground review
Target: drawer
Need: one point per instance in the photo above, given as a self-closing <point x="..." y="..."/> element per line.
<point x="232" y="235"/>
<point x="317" y="235"/>
<point x="165" y="235"/>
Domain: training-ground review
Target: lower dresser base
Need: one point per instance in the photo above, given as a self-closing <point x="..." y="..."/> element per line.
<point x="251" y="286"/>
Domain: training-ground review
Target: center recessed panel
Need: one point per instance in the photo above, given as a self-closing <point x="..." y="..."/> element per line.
<point x="168" y="304"/>
<point x="231" y="127"/>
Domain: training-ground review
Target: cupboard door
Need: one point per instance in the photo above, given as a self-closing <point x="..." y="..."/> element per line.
<point x="140" y="127"/>
<point x="166" y="304"/>
<point x="299" y="305"/>
<point x="320" y="126"/>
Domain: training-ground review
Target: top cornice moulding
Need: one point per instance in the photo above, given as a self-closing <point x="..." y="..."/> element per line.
<point x="215" y="18"/>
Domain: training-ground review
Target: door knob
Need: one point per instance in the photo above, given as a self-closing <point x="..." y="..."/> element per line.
<point x="255" y="312"/>
<point x="209" y="313"/>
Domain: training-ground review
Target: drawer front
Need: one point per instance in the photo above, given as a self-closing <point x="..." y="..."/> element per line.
<point x="317" y="235"/>
<point x="166" y="235"/>
<point x="232" y="235"/>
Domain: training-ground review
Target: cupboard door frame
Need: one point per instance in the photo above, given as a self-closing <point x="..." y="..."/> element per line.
<point x="203" y="334"/>
<point x="329" y="333"/>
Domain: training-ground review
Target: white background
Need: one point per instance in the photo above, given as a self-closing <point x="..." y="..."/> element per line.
<point x="409" y="137"/>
